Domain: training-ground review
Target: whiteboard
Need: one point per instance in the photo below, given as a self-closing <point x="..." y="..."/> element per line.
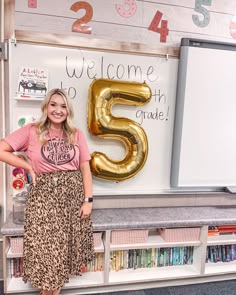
<point x="156" y="117"/>
<point x="204" y="147"/>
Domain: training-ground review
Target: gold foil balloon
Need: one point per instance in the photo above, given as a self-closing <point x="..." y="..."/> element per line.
<point x="103" y="95"/>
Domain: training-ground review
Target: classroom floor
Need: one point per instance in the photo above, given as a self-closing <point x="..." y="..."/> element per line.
<point x="216" y="288"/>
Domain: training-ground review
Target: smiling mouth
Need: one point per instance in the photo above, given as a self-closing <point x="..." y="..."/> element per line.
<point x="57" y="116"/>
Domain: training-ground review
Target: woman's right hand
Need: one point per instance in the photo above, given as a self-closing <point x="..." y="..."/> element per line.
<point x="7" y="156"/>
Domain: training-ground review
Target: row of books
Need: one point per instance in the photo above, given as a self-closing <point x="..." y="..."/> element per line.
<point x="222" y="230"/>
<point x="221" y="253"/>
<point x="145" y="258"/>
<point x="97" y="264"/>
<point x="151" y="257"/>
<point x="16" y="265"/>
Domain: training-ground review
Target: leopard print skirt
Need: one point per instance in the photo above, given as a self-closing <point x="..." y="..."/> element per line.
<point x="57" y="243"/>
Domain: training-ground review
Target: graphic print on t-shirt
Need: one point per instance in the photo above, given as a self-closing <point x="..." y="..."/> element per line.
<point x="58" y="152"/>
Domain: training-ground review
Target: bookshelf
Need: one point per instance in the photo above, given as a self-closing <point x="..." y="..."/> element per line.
<point x="133" y="277"/>
<point x="15" y="284"/>
<point x="221" y="240"/>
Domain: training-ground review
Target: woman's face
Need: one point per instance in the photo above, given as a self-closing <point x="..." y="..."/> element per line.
<point x="56" y="111"/>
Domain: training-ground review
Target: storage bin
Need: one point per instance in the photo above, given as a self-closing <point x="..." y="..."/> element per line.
<point x="129" y="236"/>
<point x="16" y="244"/>
<point x="97" y="238"/>
<point x="179" y="234"/>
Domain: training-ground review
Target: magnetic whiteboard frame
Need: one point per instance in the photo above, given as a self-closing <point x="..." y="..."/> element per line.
<point x="154" y="177"/>
<point x="178" y="157"/>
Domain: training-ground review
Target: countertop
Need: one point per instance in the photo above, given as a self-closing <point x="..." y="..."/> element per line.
<point x="109" y="219"/>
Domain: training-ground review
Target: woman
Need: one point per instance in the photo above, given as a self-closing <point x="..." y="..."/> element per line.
<point x="58" y="237"/>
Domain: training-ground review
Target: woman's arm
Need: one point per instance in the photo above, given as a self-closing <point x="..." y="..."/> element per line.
<point x="7" y="156"/>
<point x="87" y="179"/>
<point x="88" y="189"/>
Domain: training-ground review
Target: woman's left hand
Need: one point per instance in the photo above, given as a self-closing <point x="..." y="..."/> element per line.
<point x="85" y="210"/>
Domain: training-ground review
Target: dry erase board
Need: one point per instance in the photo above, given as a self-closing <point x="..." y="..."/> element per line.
<point x="204" y="147"/>
<point x="74" y="70"/>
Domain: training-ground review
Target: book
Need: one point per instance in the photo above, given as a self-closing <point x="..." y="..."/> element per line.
<point x="126" y="259"/>
<point x="153" y="257"/>
<point x="111" y="261"/>
<point x="233" y="250"/>
<point x="228" y="226"/>
<point x="223" y="249"/>
<point x="149" y="257"/>
<point x="117" y="264"/>
<point x="143" y="257"/>
<point x="122" y="259"/>
<point x="161" y="257"/>
<point x="32" y="83"/>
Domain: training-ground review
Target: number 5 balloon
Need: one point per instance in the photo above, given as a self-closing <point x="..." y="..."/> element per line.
<point x="103" y="94"/>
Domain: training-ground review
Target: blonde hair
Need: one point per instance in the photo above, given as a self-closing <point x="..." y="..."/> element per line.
<point x="43" y="125"/>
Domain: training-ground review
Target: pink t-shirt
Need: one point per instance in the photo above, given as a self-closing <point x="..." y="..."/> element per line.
<point x="55" y="155"/>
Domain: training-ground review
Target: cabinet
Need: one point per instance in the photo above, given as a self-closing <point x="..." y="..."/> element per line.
<point x="138" y="277"/>
<point x="220" y="267"/>
<point x="14" y="284"/>
<point x="156" y="272"/>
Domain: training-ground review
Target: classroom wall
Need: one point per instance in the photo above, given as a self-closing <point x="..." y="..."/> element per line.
<point x="214" y="22"/>
<point x="116" y="20"/>
<point x="113" y="20"/>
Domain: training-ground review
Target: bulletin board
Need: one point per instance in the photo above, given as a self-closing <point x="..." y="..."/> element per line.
<point x="74" y="69"/>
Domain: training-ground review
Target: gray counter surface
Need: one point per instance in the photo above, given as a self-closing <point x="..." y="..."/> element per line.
<point x="108" y="219"/>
